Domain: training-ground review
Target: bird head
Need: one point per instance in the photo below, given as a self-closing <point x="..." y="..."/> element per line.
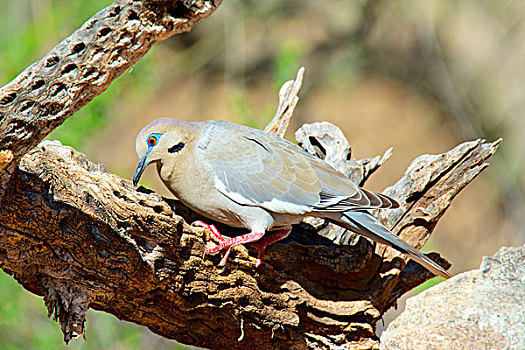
<point x="162" y="138"/>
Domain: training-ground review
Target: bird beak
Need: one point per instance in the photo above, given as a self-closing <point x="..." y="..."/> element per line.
<point x="140" y="169"/>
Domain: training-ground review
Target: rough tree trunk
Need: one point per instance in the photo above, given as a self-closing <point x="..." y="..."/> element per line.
<point x="83" y="238"/>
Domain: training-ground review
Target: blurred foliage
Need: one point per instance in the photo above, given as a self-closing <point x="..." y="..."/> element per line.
<point x="430" y="283"/>
<point x="286" y="62"/>
<point x="239" y="105"/>
<point x="464" y="59"/>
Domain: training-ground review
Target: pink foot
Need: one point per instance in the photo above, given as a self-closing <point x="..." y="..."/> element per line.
<point x="226" y="243"/>
<point x="267" y="240"/>
<point x="232" y="242"/>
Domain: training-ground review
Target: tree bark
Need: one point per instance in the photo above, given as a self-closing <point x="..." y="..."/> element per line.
<point x="83" y="238"/>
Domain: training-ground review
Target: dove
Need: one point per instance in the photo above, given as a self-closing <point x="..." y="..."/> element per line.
<point x="245" y="177"/>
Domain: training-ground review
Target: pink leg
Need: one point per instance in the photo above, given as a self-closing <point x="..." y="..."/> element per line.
<point x="267" y="240"/>
<point x="215" y="234"/>
<point x="247" y="238"/>
<point x="232" y="242"/>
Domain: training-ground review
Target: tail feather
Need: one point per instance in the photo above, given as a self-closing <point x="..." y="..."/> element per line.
<point x="365" y="224"/>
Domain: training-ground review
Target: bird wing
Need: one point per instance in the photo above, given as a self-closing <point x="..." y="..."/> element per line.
<point x="252" y="167"/>
<point x="340" y="194"/>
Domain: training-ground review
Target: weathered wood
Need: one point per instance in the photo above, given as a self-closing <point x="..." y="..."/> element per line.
<point x="326" y="141"/>
<point x="287" y="101"/>
<point x="84" y="238"/>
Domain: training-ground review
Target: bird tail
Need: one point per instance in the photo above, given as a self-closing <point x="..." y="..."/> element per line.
<point x="363" y="223"/>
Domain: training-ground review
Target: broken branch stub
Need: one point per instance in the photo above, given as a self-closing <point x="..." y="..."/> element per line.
<point x="288" y="98"/>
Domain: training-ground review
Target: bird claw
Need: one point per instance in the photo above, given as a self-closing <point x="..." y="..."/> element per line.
<point x="217" y="249"/>
<point x="265" y="242"/>
<point x="225" y="257"/>
<point x="213" y="250"/>
<point x="231" y="242"/>
<point x="218" y="238"/>
<point x="214" y="233"/>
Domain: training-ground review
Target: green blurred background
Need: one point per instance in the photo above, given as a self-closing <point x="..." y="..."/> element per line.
<point x="421" y="76"/>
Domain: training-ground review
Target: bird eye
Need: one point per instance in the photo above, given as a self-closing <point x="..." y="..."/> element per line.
<point x="152" y="141"/>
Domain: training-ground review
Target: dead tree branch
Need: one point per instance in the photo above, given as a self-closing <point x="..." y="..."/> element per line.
<point x="83" y="66"/>
<point x="83" y="238"/>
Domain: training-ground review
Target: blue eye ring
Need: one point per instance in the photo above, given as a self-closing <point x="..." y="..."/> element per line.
<point x="153" y="139"/>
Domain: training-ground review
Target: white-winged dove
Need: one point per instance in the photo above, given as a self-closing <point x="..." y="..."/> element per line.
<point x="245" y="177"/>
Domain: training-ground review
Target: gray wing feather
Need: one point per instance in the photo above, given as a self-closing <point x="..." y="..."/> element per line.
<point x="251" y="170"/>
<point x="255" y="168"/>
